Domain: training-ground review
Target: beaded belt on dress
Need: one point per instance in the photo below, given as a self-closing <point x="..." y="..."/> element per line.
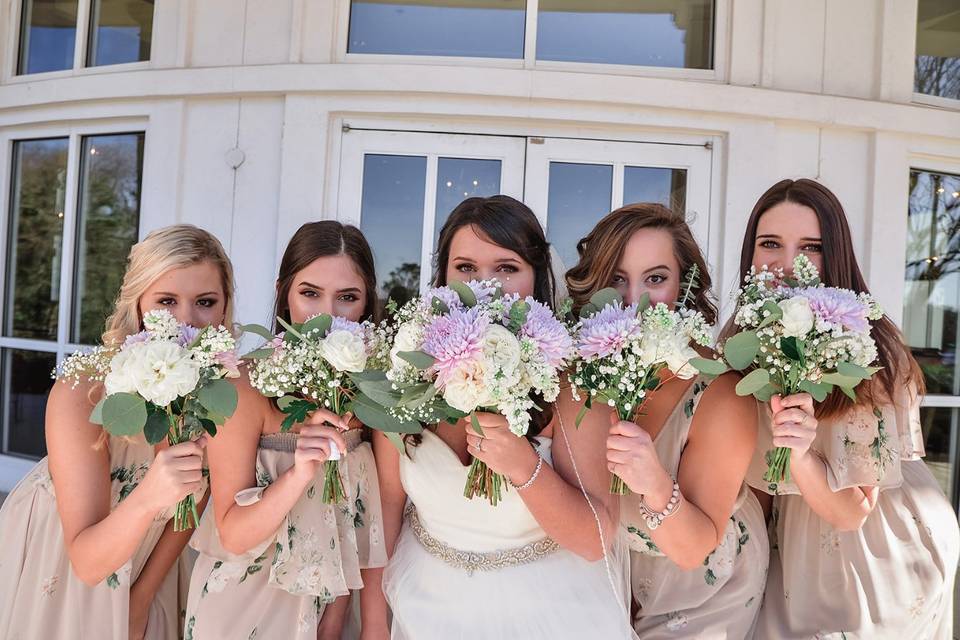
<point x="288" y="441"/>
<point x="472" y="561"/>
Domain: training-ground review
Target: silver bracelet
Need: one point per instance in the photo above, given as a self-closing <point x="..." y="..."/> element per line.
<point x="655" y="518"/>
<point x="536" y="472"/>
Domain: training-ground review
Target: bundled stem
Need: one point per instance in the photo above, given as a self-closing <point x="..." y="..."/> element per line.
<point x="482" y="481"/>
<point x="185" y="516"/>
<point x="333" y="491"/>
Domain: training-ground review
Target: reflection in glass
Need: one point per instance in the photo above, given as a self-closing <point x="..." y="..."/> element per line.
<point x="937" y="65"/>
<point x="110" y="176"/>
<point x="651" y="33"/>
<point x="120" y="31"/>
<point x="940" y="432"/>
<point x="391" y="217"/>
<point x="459" y="179"/>
<point x="26" y="381"/>
<point x="34" y="238"/>
<point x="578" y="196"/>
<point x="467" y="28"/>
<point x="932" y="289"/>
<point x="655" y="184"/>
<point x="48" y="33"/>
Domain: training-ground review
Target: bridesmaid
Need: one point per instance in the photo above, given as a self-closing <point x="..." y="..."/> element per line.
<point x="275" y="560"/>
<point x="866" y="544"/>
<point x="87" y="547"/>
<point x="701" y="573"/>
<point x="532" y="567"/>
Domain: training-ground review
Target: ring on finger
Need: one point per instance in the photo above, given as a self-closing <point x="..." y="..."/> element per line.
<point x="480" y="444"/>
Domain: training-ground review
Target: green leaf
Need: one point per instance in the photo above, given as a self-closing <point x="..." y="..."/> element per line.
<point x="321" y="323"/>
<point x="604" y="297"/>
<point x="297" y="411"/>
<point x="419" y="359"/>
<point x="643" y="303"/>
<point x="763" y="394"/>
<point x="741" y="350"/>
<point x="259" y="354"/>
<point x="708" y="366"/>
<point x="581" y="414"/>
<point x="259" y="330"/>
<point x="792" y="348"/>
<point x="291" y="329"/>
<point x="588" y="310"/>
<point x="218" y="396"/>
<point x="518" y="314"/>
<point x="475" y="423"/>
<point x="819" y="391"/>
<point x="776" y="313"/>
<point x="397" y="441"/>
<point x="467" y="297"/>
<point x="380" y="391"/>
<point x="438" y="306"/>
<point x="374" y="416"/>
<point x="157" y="426"/>
<point x="284" y="401"/>
<point x="753" y="382"/>
<point x="124" y="414"/>
<point x="852" y="371"/>
<point x="427" y="392"/>
<point x="96" y="416"/>
<point x="849" y="392"/>
<point x="840" y="380"/>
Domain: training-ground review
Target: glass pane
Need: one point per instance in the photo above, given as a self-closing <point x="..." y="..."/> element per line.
<point x="391" y="217"/>
<point x="27" y="380"/>
<point x="48" y="32"/>
<point x="468" y="28"/>
<point x="120" y="31"/>
<point x="939" y="435"/>
<point x="655" y="184"/>
<point x="459" y="179"/>
<point x="35" y="236"/>
<point x="937" y="68"/>
<point x="110" y="175"/>
<point x="651" y="33"/>
<point x="578" y="196"/>
<point x="932" y="292"/>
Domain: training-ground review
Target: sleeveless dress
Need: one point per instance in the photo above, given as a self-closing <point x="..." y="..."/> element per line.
<point x="892" y="578"/>
<point x="40" y="597"/>
<point x="719" y="600"/>
<point x="465" y="570"/>
<point x="279" y="588"/>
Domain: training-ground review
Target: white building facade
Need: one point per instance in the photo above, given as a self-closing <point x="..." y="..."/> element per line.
<point x="251" y="117"/>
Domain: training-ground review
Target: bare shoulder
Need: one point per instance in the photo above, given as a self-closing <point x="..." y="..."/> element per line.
<point x="724" y="410"/>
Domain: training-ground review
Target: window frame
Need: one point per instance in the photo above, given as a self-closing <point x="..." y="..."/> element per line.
<point x="719" y="73"/>
<point x="84" y="9"/>
<point x="63" y="345"/>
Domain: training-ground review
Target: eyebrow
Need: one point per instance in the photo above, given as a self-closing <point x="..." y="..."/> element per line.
<point x="199" y="295"/>
<point x="501" y="260"/>
<point x="775" y="236"/>
<point x="659" y="266"/>
<point x="349" y="290"/>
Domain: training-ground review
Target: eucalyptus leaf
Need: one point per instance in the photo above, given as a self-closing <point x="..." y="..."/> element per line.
<point x="156" y="427"/>
<point x="849" y="392"/>
<point x="439" y="306"/>
<point x="285" y="401"/>
<point x="321" y="324"/>
<point x="291" y="329"/>
<point x="124" y="414"/>
<point x="840" y="380"/>
<point x="741" y="350"/>
<point x="374" y="416"/>
<point x="643" y="304"/>
<point x="753" y="382"/>
<point x="852" y="371"/>
<point x="817" y="390"/>
<point x="765" y="393"/>
<point x="96" y="416"/>
<point x="709" y="367"/>
<point x="259" y="330"/>
<point x="606" y="296"/>
<point x="218" y="396"/>
<point x="397" y="440"/>
<point x="259" y="354"/>
<point x="467" y="297"/>
<point x="587" y="310"/>
<point x="381" y="392"/>
<point x="776" y="313"/>
<point x="418" y="359"/>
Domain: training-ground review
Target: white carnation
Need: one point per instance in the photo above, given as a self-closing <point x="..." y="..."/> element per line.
<point x="344" y="350"/>
<point x="797" y="318"/>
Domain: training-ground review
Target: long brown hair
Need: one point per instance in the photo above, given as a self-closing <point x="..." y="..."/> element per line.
<point x="326" y="238"/>
<point x="601" y="250"/>
<point x="840" y="269"/>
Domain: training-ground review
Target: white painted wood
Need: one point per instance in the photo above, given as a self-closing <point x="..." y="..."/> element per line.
<point x="852" y="44"/>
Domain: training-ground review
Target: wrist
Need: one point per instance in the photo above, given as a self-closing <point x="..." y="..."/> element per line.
<point x="526" y="470"/>
<point x="658" y="496"/>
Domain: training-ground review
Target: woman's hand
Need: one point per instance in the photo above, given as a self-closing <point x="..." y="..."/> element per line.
<point x="500" y="449"/>
<point x="632" y="456"/>
<point x="794" y="425"/>
<point x="174" y="474"/>
<point x="313" y="445"/>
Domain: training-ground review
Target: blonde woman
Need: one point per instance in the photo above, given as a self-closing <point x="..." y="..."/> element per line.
<point x="87" y="547"/>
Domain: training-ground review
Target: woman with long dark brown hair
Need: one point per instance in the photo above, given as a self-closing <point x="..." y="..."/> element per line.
<point x="535" y="558"/>
<point x="866" y="544"/>
<point x="275" y="560"/>
<point x="700" y="571"/>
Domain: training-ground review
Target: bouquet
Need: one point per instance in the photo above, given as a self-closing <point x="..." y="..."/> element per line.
<point x="168" y="381"/>
<point x="797" y="336"/>
<point x="468" y="347"/>
<point x="308" y="366"/>
<point x="622" y="350"/>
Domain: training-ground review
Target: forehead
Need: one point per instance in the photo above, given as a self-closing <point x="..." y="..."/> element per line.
<point x="201" y="277"/>
<point x="470" y="242"/>
<point x="647" y="248"/>
<point x="338" y="269"/>
<point x="789" y="219"/>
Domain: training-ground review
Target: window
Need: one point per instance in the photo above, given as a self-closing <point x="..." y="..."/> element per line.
<point x="118" y="31"/>
<point x="937" y="68"/>
<point x="65" y="255"/>
<point x="651" y="33"/>
<point x="930" y="311"/>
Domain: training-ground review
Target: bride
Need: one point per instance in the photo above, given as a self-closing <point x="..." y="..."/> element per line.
<point x="535" y="566"/>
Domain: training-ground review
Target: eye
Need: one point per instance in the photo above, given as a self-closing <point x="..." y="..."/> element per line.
<point x="348" y="297"/>
<point x="507" y="268"/>
<point x="769" y="244"/>
<point x="166" y="301"/>
<point x="206" y="302"/>
<point x="657" y="278"/>
<point x="465" y="267"/>
<point x="617" y="279"/>
<point x="812" y="248"/>
<point x="309" y="293"/>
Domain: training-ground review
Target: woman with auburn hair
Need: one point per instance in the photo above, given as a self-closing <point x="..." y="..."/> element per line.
<point x="275" y="560"/>
<point x="87" y="546"/>
<point x="700" y="572"/>
<point x="866" y="544"/>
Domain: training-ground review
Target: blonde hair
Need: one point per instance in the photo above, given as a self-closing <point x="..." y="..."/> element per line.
<point x="173" y="247"/>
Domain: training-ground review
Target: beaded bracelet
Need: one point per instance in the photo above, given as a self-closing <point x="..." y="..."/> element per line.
<point x="655" y="518"/>
<point x="536" y="472"/>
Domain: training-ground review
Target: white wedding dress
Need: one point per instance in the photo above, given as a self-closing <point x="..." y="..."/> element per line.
<point x="465" y="570"/>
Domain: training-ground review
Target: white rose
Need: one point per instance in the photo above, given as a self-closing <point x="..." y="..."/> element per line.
<point x="678" y="359"/>
<point x="465" y="390"/>
<point x="163" y="371"/>
<point x="797" y="318"/>
<point x="121" y="378"/>
<point x="408" y="338"/>
<point x="344" y="350"/>
<point x="501" y="347"/>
